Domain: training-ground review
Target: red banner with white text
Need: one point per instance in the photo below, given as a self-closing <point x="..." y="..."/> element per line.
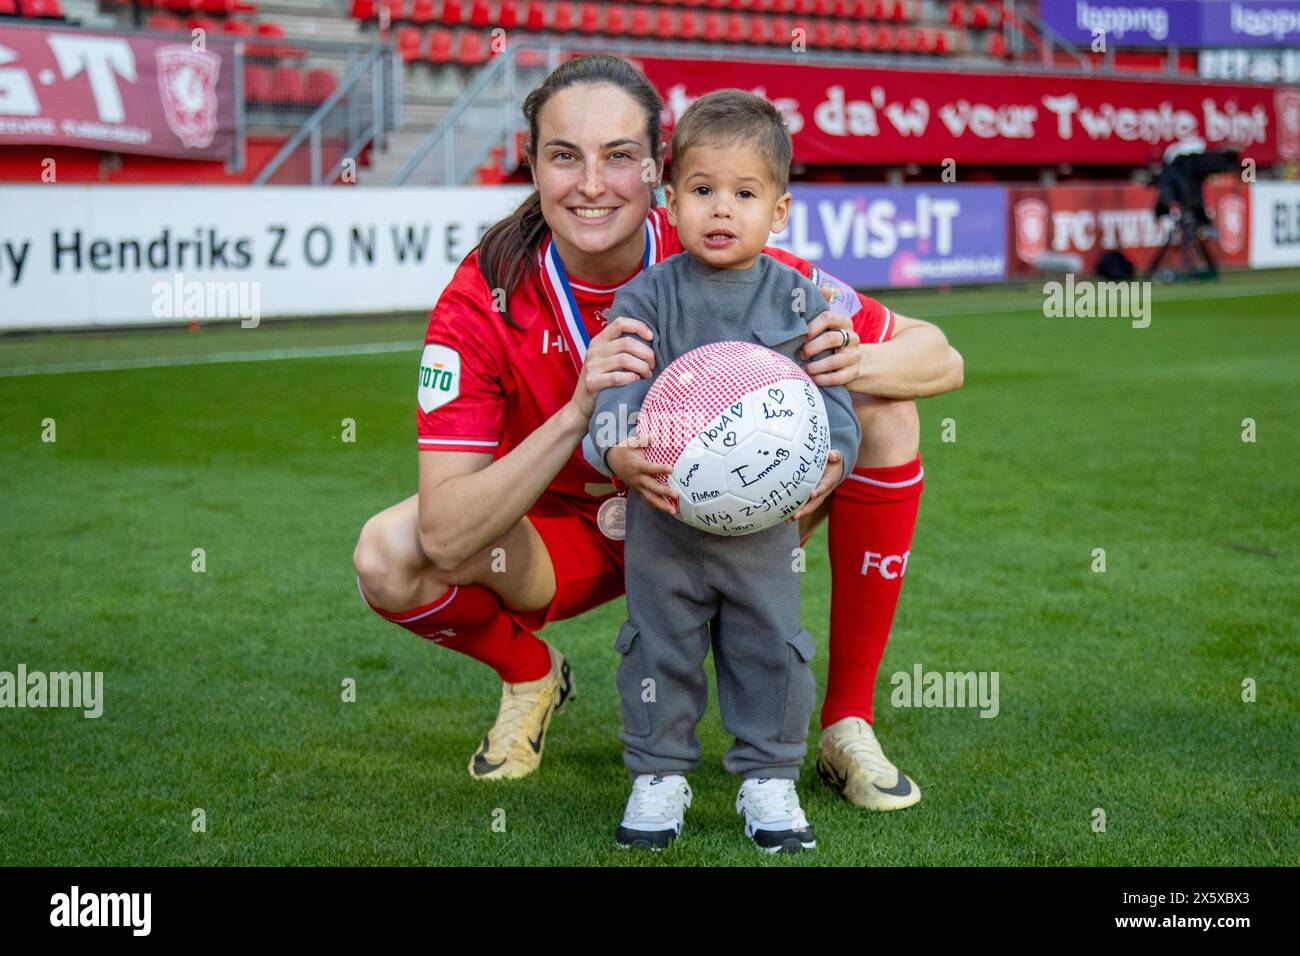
<point x="874" y="116"/>
<point x="118" y="92"/>
<point x="1088" y="221"/>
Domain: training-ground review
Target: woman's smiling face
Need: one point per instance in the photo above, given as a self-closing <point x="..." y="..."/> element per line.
<point x="595" y="174"/>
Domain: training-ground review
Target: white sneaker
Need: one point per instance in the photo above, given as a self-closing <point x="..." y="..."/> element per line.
<point x="655" y="812"/>
<point x="773" y="818"/>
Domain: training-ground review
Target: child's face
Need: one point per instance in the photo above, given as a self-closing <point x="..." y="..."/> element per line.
<point x="725" y="190"/>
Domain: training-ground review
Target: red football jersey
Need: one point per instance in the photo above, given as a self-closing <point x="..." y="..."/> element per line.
<point x="485" y="387"/>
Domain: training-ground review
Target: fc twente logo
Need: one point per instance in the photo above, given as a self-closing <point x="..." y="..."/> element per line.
<point x="187" y="81"/>
<point x="1287" y="105"/>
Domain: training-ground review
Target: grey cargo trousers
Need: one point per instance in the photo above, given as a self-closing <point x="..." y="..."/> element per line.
<point x="677" y="578"/>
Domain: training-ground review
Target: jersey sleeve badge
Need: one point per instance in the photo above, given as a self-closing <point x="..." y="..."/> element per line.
<point x="439" y="377"/>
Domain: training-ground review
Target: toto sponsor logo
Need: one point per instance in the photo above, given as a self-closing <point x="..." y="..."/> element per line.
<point x="187" y="80"/>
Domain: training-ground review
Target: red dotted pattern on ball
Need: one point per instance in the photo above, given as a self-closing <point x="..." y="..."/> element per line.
<point x="697" y="387"/>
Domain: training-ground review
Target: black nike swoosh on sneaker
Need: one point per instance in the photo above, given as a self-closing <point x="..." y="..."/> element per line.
<point x="537" y="744"/>
<point x="901" y="789"/>
<point x="481" y="764"/>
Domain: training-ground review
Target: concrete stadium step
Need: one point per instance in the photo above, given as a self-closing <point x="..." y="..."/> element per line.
<point x="384" y="166"/>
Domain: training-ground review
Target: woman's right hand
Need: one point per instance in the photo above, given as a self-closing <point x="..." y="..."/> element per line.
<point x="613" y="358"/>
<point x="628" y="461"/>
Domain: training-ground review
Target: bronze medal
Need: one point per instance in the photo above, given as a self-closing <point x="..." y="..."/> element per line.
<point x="611" y="518"/>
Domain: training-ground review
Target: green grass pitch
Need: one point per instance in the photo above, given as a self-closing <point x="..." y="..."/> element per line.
<point x="222" y="690"/>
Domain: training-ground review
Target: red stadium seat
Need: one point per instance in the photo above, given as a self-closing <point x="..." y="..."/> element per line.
<point x="957" y="14"/>
<point x="440" y="46"/>
<point x="562" y="18"/>
<point x="713" y="27"/>
<point x="480" y="14"/>
<point x="163" y="23"/>
<point x="821" y="34"/>
<point x="320" y="85"/>
<point x="508" y="13"/>
<point x="942" y="45"/>
<point x="640" y="26"/>
<point x="8" y="8"/>
<point x="979" y="17"/>
<point x="469" y="48"/>
<point x="287" y="85"/>
<point x="536" y="19"/>
<point x="408" y="43"/>
<point x="885" y="40"/>
<point x="779" y="31"/>
<point x="616" y="20"/>
<point x="589" y="18"/>
<point x="760" y="30"/>
<point x="842" y="35"/>
<point x="901" y="13"/>
<point x="665" y="24"/>
<point x="175" y="6"/>
<point x="997" y="46"/>
<point x="451" y="12"/>
<point x="50" y="9"/>
<point x="737" y="28"/>
<point x="688" y="25"/>
<point x="206" y="24"/>
<point x="396" y="9"/>
<point x="864" y="37"/>
<point x="237" y="28"/>
<point x="258" y="86"/>
<point x="422" y="11"/>
<point x="364" y="10"/>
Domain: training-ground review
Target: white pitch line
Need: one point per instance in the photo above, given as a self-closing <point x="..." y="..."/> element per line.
<point x="1018" y="304"/>
<point x="216" y="358"/>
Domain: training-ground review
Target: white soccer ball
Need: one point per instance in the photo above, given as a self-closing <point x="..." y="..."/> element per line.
<point x="746" y="432"/>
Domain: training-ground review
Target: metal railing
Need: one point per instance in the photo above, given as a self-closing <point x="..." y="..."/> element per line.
<point x="361" y="111"/>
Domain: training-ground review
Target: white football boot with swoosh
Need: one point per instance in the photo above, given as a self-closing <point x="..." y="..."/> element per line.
<point x="849" y="758"/>
<point x="513" y="747"/>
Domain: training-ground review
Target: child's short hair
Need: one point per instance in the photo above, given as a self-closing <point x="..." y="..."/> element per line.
<point x="729" y="117"/>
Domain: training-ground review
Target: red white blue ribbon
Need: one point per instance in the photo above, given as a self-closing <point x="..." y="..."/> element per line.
<point x="560" y="294"/>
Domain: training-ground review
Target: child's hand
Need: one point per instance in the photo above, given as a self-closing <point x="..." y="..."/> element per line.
<point x="628" y="461"/>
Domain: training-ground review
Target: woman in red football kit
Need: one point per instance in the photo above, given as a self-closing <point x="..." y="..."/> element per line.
<point x="508" y="530"/>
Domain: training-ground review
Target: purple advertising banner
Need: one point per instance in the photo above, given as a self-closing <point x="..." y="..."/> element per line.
<point x="1189" y="23"/>
<point x="1135" y="23"/>
<point x="1271" y="23"/>
<point x="116" y="91"/>
<point x="877" y="236"/>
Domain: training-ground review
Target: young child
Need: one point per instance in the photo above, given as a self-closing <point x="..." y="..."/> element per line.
<point x="731" y="160"/>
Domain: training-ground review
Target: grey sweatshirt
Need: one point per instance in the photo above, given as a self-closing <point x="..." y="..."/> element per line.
<point x="687" y="303"/>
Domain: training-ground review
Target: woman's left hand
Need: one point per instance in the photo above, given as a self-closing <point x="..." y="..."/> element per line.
<point x="830" y="478"/>
<point x="841" y="366"/>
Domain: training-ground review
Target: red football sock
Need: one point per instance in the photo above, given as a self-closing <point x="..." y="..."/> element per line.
<point x="873" y="515"/>
<point x="468" y="618"/>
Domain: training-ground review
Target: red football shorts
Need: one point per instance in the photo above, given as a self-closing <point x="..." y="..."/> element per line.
<point x="588" y="565"/>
